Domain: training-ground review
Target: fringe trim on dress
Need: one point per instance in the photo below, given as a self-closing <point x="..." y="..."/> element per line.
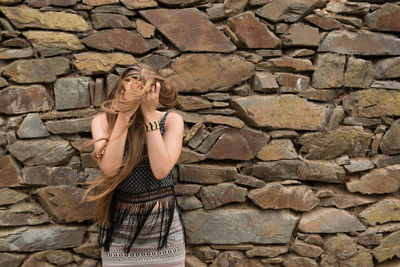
<point x="136" y="208"/>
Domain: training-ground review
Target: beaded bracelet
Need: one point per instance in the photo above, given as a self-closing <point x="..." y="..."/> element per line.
<point x="151" y="126"/>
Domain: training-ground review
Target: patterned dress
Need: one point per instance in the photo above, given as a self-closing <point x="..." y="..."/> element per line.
<point x="146" y="228"/>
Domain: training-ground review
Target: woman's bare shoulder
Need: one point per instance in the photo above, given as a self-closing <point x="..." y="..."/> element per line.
<point x="174" y="119"/>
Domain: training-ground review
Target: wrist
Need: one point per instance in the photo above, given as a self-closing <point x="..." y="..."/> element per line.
<point x="150" y="117"/>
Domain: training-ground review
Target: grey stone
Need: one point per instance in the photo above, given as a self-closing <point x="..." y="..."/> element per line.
<point x="72" y="92"/>
<point x="218" y="195"/>
<point x="206" y="173"/>
<point x="361" y="121"/>
<point x="386" y="85"/>
<point x="189" y="202"/>
<point x="320" y="170"/>
<point x="359" y="164"/>
<point x="41" y="238"/>
<point x="23" y="214"/>
<point x="387" y="68"/>
<point x="381" y="160"/>
<point x="7" y="54"/>
<point x="390" y="143"/>
<point x="211" y="138"/>
<point x="349" y="8"/>
<point x="32" y="127"/>
<point x="216" y="12"/>
<point x="247" y="180"/>
<point x="69" y="126"/>
<point x="43" y="175"/>
<point x="9" y="196"/>
<point x="359" y="73"/>
<point x="276" y="170"/>
<point x="329" y="71"/>
<point x="249" y="225"/>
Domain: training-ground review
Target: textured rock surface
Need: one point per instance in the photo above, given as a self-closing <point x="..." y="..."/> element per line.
<point x="9" y="172"/>
<point x="95" y="63"/>
<point x="390" y="142"/>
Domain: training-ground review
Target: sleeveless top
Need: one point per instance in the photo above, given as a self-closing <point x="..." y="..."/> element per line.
<point x="134" y="200"/>
<point x="141" y="179"/>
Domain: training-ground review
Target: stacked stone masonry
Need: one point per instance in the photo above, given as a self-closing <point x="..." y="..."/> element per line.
<point x="291" y="151"/>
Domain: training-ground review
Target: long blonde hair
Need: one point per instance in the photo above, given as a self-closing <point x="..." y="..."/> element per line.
<point x="134" y="147"/>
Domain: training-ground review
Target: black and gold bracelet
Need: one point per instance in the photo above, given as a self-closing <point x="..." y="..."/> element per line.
<point x="151" y="126"/>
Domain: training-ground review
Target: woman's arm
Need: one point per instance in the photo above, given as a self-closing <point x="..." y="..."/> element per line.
<point x="113" y="153"/>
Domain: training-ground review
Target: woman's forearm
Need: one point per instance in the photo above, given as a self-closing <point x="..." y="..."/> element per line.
<point x="113" y="154"/>
<point x="160" y="160"/>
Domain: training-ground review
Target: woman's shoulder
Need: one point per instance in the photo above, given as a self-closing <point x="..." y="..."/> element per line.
<point x="173" y="118"/>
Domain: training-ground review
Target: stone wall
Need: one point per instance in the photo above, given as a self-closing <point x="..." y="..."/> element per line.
<point x="292" y="125"/>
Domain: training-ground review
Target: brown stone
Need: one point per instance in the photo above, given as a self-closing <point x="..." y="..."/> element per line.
<point x="139" y="4"/>
<point x="329" y="220"/>
<point x="99" y="2"/>
<point x="306" y="250"/>
<point x="193" y="261"/>
<point x="287" y="11"/>
<point x="190" y="103"/>
<point x="389" y="247"/>
<point x="120" y="39"/>
<point x="9" y="196"/>
<point x="296" y="261"/>
<point x="205" y="173"/>
<point x="286" y="63"/>
<point x="324" y="22"/>
<point x="24" y="17"/>
<point x="200" y="73"/>
<point x="9" y="172"/>
<point x="264" y="82"/>
<point x="252" y="33"/>
<point x="108" y="20"/>
<point x="350" y="140"/>
<point x="319" y="94"/>
<point x="276" y="170"/>
<point x="218" y="195"/>
<point x="372" y="103"/>
<point x="145" y="29"/>
<point x="190" y="156"/>
<point x="292" y="83"/>
<point x="280" y="112"/>
<point x="338" y="247"/>
<point x="349" y="8"/>
<point x="387" y="68"/>
<point x="390" y="143"/>
<point x="359" y="73"/>
<point x="69" y="126"/>
<point x="211" y="138"/>
<point x="189" y="202"/>
<point x="247" y="180"/>
<point x="267" y="251"/>
<point x="377" y="181"/>
<point x="42" y="175"/>
<point x="11" y="259"/>
<point x="23" y="213"/>
<point x="37" y="70"/>
<point x="321" y="170"/>
<point x="17" y="100"/>
<point x="238" y="144"/>
<point x="7" y="54"/>
<point x="277" y="150"/>
<point x="300" y="34"/>
<point x="387" y="210"/>
<point x="360" y="43"/>
<point x="97" y="63"/>
<point x="329" y="71"/>
<point x="386" y="18"/>
<point x="63" y="203"/>
<point x="205" y="253"/>
<point x="188" y="30"/>
<point x="186" y="189"/>
<point x="277" y="196"/>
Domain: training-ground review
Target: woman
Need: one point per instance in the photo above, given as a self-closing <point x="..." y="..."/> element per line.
<point x="136" y="147"/>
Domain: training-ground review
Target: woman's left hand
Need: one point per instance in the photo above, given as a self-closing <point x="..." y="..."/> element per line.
<point x="150" y="102"/>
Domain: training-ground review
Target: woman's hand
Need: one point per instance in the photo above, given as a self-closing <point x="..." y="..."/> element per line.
<point x="150" y="103"/>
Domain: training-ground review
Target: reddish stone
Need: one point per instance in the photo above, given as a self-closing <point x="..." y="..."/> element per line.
<point x="387" y="18"/>
<point x="99" y="2"/>
<point x="121" y="39"/>
<point x="300" y="34"/>
<point x="325" y="23"/>
<point x="9" y="172"/>
<point x="286" y="63"/>
<point x="105" y="20"/>
<point x="252" y="33"/>
<point x="188" y="30"/>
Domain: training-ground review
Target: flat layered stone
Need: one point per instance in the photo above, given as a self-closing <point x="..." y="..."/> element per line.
<point x="321" y="170"/>
<point x="382" y="160"/>
<point x="249" y="181"/>
<point x="359" y="164"/>
<point x="324" y="22"/>
<point x="339" y="247"/>
<point x="6" y="54"/>
<point x="120" y="39"/>
<point x="360" y="43"/>
<point x="32" y="127"/>
<point x="388" y="248"/>
<point x="276" y="170"/>
<point x="188" y="29"/>
<point x="51" y="257"/>
<point x="23" y="214"/>
<point x="287" y="11"/>
<point x="372" y="103"/>
<point x="292" y="83"/>
<point x="286" y="64"/>
<point x="277" y="150"/>
<point x="266" y="251"/>
<point x="25" y="17"/>
<point x="384" y="211"/>
<point x="211" y="138"/>
<point x="349" y="8"/>
<point x="43" y="175"/>
<point x="139" y="4"/>
<point x="109" y="20"/>
<point x="70" y="126"/>
<point x="238" y="144"/>
<point x="190" y="103"/>
<point x="390" y="142"/>
<point x="341" y="198"/>
<point x="277" y="112"/>
<point x="190" y="156"/>
<point x="189" y="202"/>
<point x="11" y="259"/>
<point x="72" y="92"/>
<point x="205" y="253"/>
<point x="387" y="68"/>
<point x="51" y="43"/>
<point x="251" y="33"/>
<point x="9" y="196"/>
<point x="297" y="261"/>
<point x="9" y="172"/>
<point x="348" y="20"/>
<point x="346" y="140"/>
<point x="249" y="225"/>
<point x="18" y="99"/>
<point x="319" y="94"/>
<point x="116" y="9"/>
<point x="200" y="73"/>
<point x="306" y="250"/>
<point x="386" y="18"/>
<point x="97" y="63"/>
<point x="359" y="73"/>
<point x="234" y="7"/>
<point x="99" y="2"/>
<point x="329" y="220"/>
<point x="37" y="70"/>
<point x="264" y="82"/>
<point x="300" y="34"/>
<point x="277" y="196"/>
<point x="63" y="203"/>
<point x="145" y="29"/>
<point x="216" y="12"/>
<point x="218" y="195"/>
<point x="377" y="181"/>
<point x="386" y="85"/>
<point x="206" y="173"/>
<point x="329" y="71"/>
<point x="41" y="151"/>
<point x="28" y="239"/>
